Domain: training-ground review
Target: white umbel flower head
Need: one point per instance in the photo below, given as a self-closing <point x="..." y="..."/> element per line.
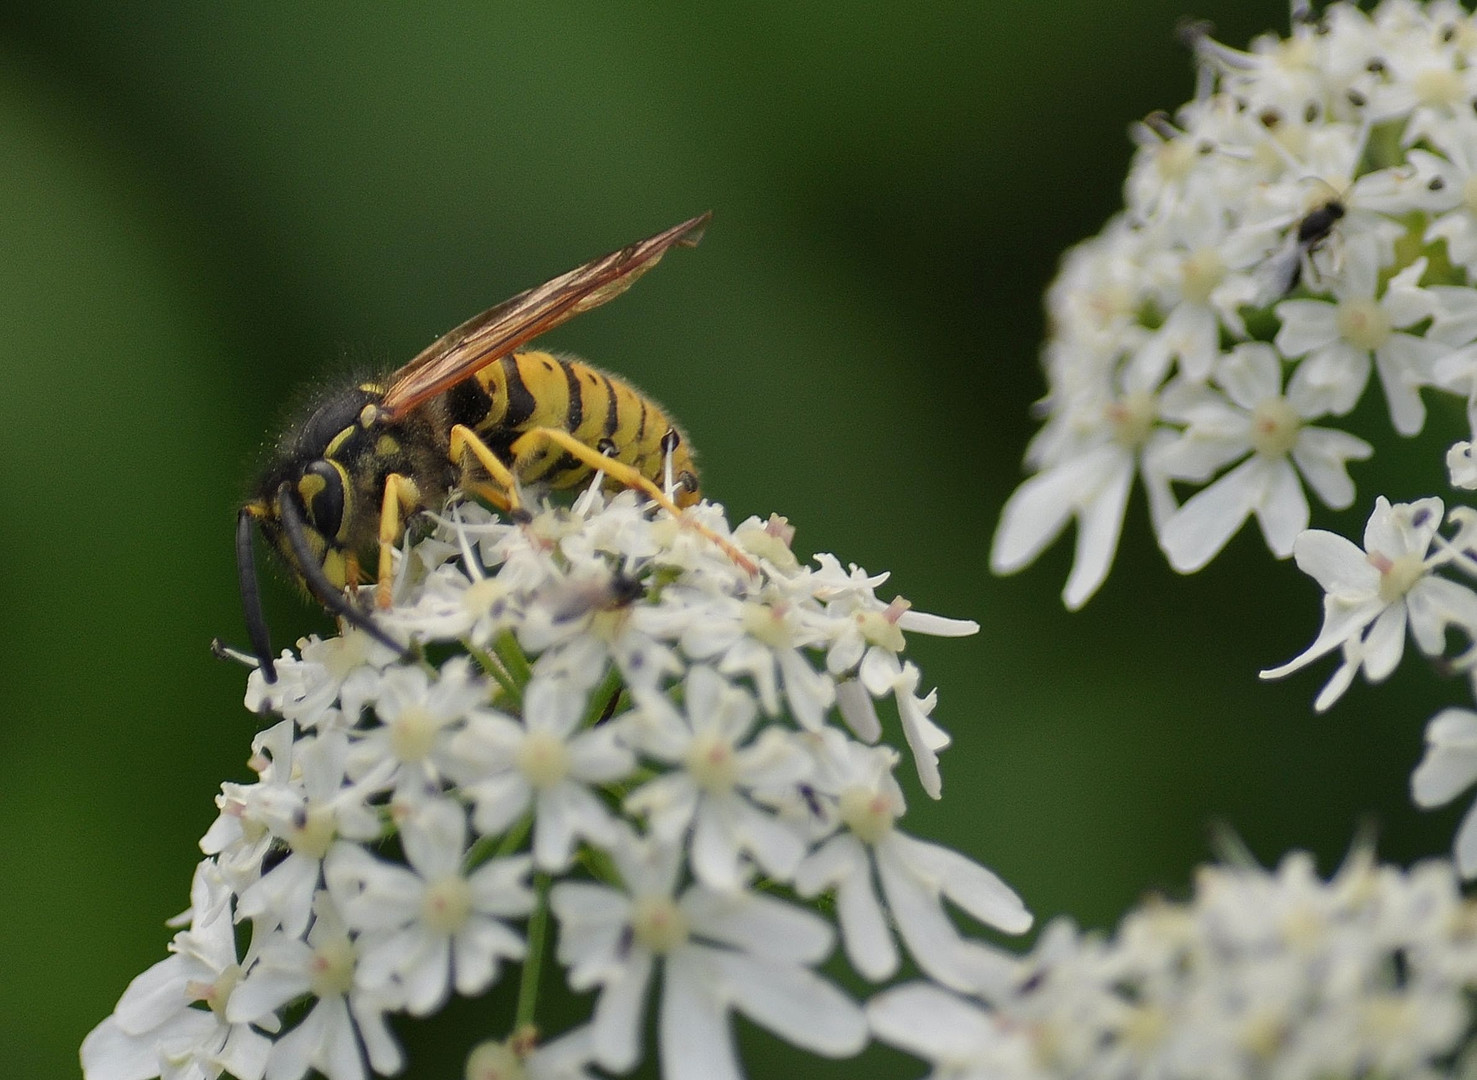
<point x="604" y="723"/>
<point x="1305" y="221"/>
<point x="1259" y="975"/>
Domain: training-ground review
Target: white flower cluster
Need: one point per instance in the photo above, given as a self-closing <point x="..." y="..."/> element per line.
<point x="1262" y="976"/>
<point x="1308" y="220"/>
<point x="604" y="719"/>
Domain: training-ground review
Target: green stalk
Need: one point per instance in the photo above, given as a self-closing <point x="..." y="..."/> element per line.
<point x="508" y="651"/>
<point x="494" y="667"/>
<point x="538" y="928"/>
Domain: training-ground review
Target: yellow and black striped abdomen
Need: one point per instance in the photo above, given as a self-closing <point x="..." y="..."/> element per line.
<point x="528" y="390"/>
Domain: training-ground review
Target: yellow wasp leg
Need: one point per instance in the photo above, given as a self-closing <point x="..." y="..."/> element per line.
<point x="464" y="439"/>
<point x="625" y="474"/>
<point x="400" y="494"/>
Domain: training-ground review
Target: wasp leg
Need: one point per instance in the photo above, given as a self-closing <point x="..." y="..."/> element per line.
<point x="400" y="494"/>
<point x="625" y="474"/>
<point x="488" y="493"/>
<point x="464" y="439"/>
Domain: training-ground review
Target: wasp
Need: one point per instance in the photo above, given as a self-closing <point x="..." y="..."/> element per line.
<point x="470" y="415"/>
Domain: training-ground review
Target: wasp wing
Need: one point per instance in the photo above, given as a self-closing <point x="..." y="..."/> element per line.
<point x="496" y="332"/>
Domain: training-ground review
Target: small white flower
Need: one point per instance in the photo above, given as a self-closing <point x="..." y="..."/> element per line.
<point x="1281" y="451"/>
<point x="545" y="763"/>
<point x="1104" y="439"/>
<point x="717" y="952"/>
<point x="764" y="638"/>
<point x="345" y="1023"/>
<point x="915" y="878"/>
<point x="1373" y="594"/>
<point x="429" y="927"/>
<point x="311" y="814"/>
<point x="418" y="717"/>
<point x="1336" y="341"/>
<point x="171" y="1021"/>
<point x="710" y="794"/>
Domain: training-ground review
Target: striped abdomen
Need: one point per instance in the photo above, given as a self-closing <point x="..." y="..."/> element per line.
<point x="534" y="389"/>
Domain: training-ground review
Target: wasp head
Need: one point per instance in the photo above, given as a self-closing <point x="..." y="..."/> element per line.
<point x="306" y="506"/>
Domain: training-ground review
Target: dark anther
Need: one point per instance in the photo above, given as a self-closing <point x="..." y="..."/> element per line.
<point x="520" y="516"/>
<point x="1375" y="66"/>
<point x="1310" y="114"/>
<point x="1357" y="99"/>
<point x="1436" y="184"/>
<point x="1270" y="118"/>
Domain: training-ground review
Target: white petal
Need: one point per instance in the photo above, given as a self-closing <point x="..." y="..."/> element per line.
<point x="975" y="889"/>
<point x="762" y="924"/>
<point x="616" y="1025"/>
<point x="154" y="995"/>
<point x="1385" y="643"/>
<point x="795" y="1003"/>
<point x="930" y="1023"/>
<point x="1306" y="325"/>
<point x="109" y="1054"/>
<point x="1208" y="519"/>
<point x="857" y="710"/>
<point x="1449" y="766"/>
<point x="1283" y="510"/>
<point x="695" y="1039"/>
<point x="1098" y="529"/>
<point x="1321" y="454"/>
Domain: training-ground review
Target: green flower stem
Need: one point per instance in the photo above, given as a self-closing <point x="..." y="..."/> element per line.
<point x="603" y="699"/>
<point x="511" y="654"/>
<point x="494" y="667"/>
<point x="497" y="847"/>
<point x="538" y="928"/>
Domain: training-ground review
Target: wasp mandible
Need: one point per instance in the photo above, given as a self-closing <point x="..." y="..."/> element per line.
<point x="468" y="415"/>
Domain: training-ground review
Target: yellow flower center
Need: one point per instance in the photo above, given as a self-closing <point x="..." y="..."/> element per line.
<point x="331" y="970"/>
<point x="1398" y="575"/>
<point x="1200" y="273"/>
<point x="447" y="904"/>
<point x="543" y="759"/>
<point x="1363" y="324"/>
<point x="869" y="814"/>
<point x="1132" y="418"/>
<point x="767" y="623"/>
<point x="1175" y="159"/>
<point x="710" y="762"/>
<point x="1437" y="86"/>
<point x="1274" y="427"/>
<point x="413" y="734"/>
<point x="494" y="1061"/>
<point x="218" y="993"/>
<point x="658" y="924"/>
<point x="312" y="834"/>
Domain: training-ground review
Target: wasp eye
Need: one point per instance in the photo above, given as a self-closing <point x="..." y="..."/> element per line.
<point x="322" y="491"/>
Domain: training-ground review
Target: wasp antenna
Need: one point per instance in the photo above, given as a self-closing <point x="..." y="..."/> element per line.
<point x="251" y="597"/>
<point x="317" y="580"/>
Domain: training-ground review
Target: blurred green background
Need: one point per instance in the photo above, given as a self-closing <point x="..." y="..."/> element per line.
<point x="201" y="206"/>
